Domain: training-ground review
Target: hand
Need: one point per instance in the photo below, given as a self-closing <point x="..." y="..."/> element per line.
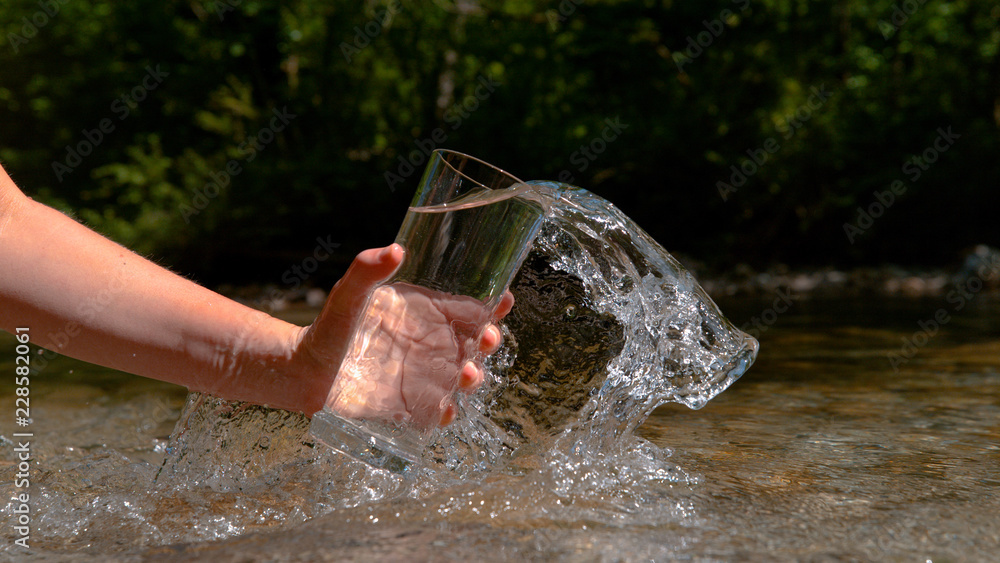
<point x="157" y="324"/>
<point x="417" y="340"/>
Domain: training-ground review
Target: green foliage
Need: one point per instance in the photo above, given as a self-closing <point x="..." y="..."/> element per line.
<point x="529" y="85"/>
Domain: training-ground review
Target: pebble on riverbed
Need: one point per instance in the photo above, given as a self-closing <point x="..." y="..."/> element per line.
<point x="272" y="298"/>
<point x="980" y="264"/>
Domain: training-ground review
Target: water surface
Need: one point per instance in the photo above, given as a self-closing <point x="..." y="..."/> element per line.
<point x="821" y="452"/>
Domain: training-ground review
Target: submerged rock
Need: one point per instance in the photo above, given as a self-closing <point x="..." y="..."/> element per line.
<point x="563" y="348"/>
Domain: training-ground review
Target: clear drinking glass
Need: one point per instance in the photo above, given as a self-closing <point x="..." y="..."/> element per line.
<point x="466" y="233"/>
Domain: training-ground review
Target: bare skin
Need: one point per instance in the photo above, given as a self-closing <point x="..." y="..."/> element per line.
<point x="407" y="349"/>
<point x="87" y="297"/>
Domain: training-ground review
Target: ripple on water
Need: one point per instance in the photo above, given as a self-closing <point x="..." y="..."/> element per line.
<point x="826" y="453"/>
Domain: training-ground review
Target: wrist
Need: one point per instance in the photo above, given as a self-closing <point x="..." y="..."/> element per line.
<point x="313" y="373"/>
<point x="267" y="368"/>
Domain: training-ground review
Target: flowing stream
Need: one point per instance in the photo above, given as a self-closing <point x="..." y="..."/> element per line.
<point x="825" y="454"/>
<point x="607" y="327"/>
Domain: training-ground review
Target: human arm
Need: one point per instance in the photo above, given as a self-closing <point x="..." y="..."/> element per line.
<point x="90" y="298"/>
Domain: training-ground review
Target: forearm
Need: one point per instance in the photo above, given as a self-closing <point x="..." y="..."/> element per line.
<point x="87" y="297"/>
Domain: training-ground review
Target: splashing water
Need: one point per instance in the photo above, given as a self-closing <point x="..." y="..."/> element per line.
<point x="606" y="327"/>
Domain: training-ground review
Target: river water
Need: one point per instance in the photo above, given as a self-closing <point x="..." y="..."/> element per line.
<point x="868" y="430"/>
<point x="821" y="452"/>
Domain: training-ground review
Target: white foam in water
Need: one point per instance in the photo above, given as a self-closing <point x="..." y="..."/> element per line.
<point x="606" y="327"/>
<point x="671" y="341"/>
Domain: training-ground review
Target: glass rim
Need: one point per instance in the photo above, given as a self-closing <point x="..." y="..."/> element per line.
<point x="443" y="153"/>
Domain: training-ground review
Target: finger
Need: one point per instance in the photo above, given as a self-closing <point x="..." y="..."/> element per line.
<point x="491" y="339"/>
<point x="327" y="336"/>
<point x="470" y="378"/>
<point x="368" y="269"/>
<point x="448" y="416"/>
<point x="506" y="304"/>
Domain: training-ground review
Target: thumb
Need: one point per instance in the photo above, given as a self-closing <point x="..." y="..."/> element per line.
<point x="335" y="324"/>
<point x="368" y="269"/>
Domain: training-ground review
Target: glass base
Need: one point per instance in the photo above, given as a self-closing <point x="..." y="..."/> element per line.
<point x="395" y="454"/>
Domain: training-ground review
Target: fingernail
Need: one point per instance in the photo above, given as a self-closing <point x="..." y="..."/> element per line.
<point x="447" y="417"/>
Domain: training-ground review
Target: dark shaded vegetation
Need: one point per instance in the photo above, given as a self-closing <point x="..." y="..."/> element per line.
<point x="649" y="104"/>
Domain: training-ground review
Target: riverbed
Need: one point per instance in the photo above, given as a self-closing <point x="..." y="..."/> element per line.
<point x="863" y="432"/>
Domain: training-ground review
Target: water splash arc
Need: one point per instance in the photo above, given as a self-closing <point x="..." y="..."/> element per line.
<point x="608" y="325"/>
